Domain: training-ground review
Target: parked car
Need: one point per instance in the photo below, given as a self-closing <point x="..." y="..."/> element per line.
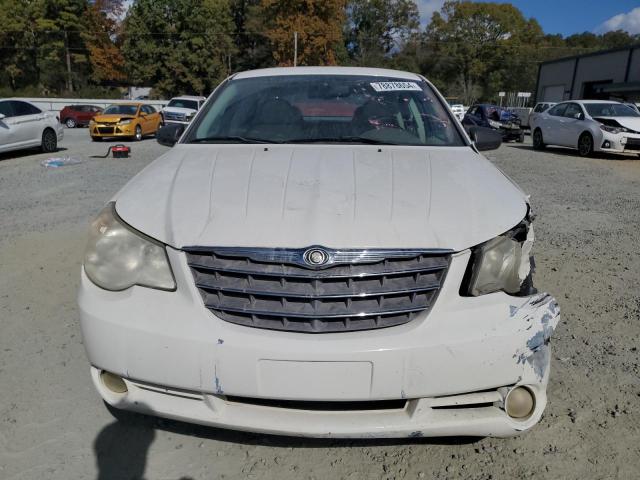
<point x="78" y="115"/>
<point x="458" y="110"/>
<point x="589" y="126"/>
<point x="132" y="120"/>
<point x="539" y="108"/>
<point x="182" y="109"/>
<point x="320" y="239"/>
<point x="497" y="118"/>
<point x="23" y="125"/>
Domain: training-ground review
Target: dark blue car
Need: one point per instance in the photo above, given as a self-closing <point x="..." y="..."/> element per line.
<point x="496" y="118"/>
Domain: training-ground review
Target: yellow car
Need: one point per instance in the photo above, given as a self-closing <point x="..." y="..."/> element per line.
<point x="132" y="120"/>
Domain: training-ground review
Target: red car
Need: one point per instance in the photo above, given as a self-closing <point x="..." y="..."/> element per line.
<point x="78" y="115"/>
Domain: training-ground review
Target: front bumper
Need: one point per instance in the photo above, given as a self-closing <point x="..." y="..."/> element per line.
<point x="619" y="143"/>
<point x="102" y="130"/>
<point x="181" y="362"/>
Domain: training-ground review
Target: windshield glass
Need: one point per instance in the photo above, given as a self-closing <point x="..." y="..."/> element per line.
<point x="610" y="110"/>
<point x="180" y="103"/>
<point x="121" y="110"/>
<point x="326" y="109"/>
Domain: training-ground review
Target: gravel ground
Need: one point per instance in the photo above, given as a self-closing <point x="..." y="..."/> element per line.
<point x="53" y="425"/>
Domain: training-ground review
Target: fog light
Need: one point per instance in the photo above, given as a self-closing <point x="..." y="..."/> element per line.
<point x="519" y="403"/>
<point x="113" y="382"/>
<point x="606" y="144"/>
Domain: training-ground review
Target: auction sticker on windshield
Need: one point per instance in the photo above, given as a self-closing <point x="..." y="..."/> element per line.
<point x="394" y="86"/>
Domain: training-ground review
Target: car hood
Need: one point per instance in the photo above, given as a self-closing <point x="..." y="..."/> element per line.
<point x="111" y="118"/>
<point x="184" y="111"/>
<point x="336" y="196"/>
<point x="632" y="123"/>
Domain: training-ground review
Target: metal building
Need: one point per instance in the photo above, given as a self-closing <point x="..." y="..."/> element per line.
<point x="608" y="74"/>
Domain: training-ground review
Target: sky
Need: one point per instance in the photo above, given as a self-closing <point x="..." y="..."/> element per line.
<point x="568" y="16"/>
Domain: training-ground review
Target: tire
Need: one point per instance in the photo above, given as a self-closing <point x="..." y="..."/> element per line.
<point x="96" y="139"/>
<point x="585" y="145"/>
<point x="520" y="138"/>
<point x="138" y="136"/>
<point x="538" y="141"/>
<point x="70" y="123"/>
<point x="49" y="141"/>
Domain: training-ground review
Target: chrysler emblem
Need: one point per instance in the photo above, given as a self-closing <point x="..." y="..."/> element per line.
<point x="316" y="257"/>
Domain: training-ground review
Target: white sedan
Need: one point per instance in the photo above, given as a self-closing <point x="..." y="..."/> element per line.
<point x="23" y="125"/>
<point x="588" y="126"/>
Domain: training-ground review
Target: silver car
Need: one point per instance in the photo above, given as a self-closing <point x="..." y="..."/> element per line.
<point x="588" y="126"/>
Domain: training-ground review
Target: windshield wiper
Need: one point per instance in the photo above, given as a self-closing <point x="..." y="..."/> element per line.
<point x="231" y="138"/>
<point x="350" y="139"/>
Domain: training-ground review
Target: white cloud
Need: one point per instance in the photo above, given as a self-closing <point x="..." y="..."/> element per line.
<point x="629" y="21"/>
<point x="427" y="7"/>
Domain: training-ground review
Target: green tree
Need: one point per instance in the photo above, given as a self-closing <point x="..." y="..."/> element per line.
<point x="377" y="28"/>
<point x="254" y="50"/>
<point x="178" y="46"/>
<point x="482" y="47"/>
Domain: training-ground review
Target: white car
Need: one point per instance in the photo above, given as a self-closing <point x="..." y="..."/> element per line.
<point x="323" y="253"/>
<point x="458" y="110"/>
<point x="588" y="126"/>
<point x="182" y="109"/>
<point x="23" y="125"/>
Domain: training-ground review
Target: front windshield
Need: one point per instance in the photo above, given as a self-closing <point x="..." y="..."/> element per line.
<point x="121" y="110"/>
<point x="181" y="103"/>
<point x="326" y="109"/>
<point x="610" y="110"/>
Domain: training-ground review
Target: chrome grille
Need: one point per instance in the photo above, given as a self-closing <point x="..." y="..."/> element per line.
<point x="256" y="288"/>
<point x="175" y="116"/>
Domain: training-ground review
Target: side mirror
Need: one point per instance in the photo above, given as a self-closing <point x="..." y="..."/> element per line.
<point x="169" y="134"/>
<point x="485" y="138"/>
<point x="579" y="116"/>
<point x="2" y="116"/>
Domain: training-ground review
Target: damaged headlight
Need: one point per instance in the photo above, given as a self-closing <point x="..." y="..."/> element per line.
<point x="612" y="129"/>
<point x="501" y="264"/>
<point x="118" y="257"/>
<point x="495" y="124"/>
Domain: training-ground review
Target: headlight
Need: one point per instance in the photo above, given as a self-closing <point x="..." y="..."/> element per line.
<point x="125" y="122"/>
<point x="118" y="257"/>
<point x="501" y="264"/>
<point x="495" y="124"/>
<point x="190" y="116"/>
<point x="613" y="130"/>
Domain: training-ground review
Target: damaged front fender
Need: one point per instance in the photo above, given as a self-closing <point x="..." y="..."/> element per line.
<point x="539" y="317"/>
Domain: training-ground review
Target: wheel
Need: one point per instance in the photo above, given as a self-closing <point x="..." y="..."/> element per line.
<point x="520" y="138"/>
<point x="585" y="145"/>
<point x="138" y="135"/>
<point x="70" y="123"/>
<point x="538" y="142"/>
<point x="96" y="139"/>
<point x="49" y="141"/>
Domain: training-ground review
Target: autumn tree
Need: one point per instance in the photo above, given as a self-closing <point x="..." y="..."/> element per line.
<point x="377" y="28"/>
<point x="101" y="39"/>
<point x="318" y="23"/>
<point x="178" y="46"/>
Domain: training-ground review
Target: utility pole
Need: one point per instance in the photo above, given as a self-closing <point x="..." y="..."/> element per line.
<point x="67" y="55"/>
<point x="295" y="49"/>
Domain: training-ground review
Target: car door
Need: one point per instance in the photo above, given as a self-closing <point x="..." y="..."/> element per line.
<point x="28" y="123"/>
<point x="473" y="116"/>
<point x="571" y="125"/>
<point x="7" y="126"/>
<point x="153" y="118"/>
<point x="550" y="123"/>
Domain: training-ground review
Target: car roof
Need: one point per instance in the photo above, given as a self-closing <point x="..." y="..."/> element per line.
<point x="590" y="101"/>
<point x="188" y="97"/>
<point x="361" y="71"/>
